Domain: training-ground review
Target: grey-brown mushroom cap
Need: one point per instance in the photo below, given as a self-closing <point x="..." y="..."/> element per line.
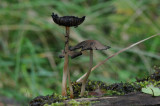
<point x="90" y="45"/>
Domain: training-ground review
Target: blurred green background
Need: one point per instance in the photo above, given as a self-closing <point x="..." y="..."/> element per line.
<point x="30" y="42"/>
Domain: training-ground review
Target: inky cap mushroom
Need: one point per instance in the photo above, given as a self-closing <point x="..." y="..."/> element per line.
<point x="90" y="45"/>
<point x="67" y="21"/>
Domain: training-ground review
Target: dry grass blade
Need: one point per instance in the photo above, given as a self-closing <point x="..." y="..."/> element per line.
<point x="122" y="50"/>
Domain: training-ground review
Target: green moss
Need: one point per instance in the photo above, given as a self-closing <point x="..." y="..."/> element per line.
<point x="74" y="102"/>
<point x="82" y="103"/>
<point x="49" y="99"/>
<point x="56" y="104"/>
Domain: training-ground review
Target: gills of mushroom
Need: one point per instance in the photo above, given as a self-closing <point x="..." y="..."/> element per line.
<point x="89" y="45"/>
<point x="67" y="21"/>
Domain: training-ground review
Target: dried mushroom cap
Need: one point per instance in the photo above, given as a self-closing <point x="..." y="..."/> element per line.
<point x="67" y="21"/>
<point x="90" y="45"/>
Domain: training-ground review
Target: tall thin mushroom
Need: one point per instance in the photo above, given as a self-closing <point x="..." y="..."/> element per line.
<point x="67" y="21"/>
<point x="88" y="45"/>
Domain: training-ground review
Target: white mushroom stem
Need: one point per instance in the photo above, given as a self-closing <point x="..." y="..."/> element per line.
<point x="70" y="85"/>
<point x="66" y="68"/>
<point x="88" y="73"/>
<point x="115" y="54"/>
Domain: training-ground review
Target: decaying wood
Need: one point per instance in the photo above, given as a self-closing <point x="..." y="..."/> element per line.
<point x="126" y="100"/>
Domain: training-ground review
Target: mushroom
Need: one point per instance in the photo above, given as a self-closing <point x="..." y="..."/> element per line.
<point x="67" y="21"/>
<point x="89" y="45"/>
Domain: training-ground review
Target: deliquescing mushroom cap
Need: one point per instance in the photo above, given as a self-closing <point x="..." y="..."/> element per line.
<point x="90" y="45"/>
<point x="67" y="21"/>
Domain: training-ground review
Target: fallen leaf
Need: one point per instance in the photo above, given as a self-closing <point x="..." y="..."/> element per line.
<point x="150" y="89"/>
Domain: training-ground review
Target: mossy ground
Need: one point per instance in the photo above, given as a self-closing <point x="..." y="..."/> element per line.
<point x="98" y="88"/>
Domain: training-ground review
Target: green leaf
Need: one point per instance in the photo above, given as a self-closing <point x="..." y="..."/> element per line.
<point x="155" y="91"/>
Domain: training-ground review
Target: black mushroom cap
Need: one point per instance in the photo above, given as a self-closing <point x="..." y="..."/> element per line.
<point x="67" y="21"/>
<point x="89" y="45"/>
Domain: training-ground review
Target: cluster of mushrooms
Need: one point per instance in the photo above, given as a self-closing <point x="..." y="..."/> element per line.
<point x="72" y="21"/>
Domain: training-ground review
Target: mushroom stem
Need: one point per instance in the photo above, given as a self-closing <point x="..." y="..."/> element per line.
<point x="70" y="86"/>
<point x="88" y="73"/>
<point x="66" y="67"/>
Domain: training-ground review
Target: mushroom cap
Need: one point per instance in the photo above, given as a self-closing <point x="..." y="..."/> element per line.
<point x="67" y="21"/>
<point x="90" y="45"/>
